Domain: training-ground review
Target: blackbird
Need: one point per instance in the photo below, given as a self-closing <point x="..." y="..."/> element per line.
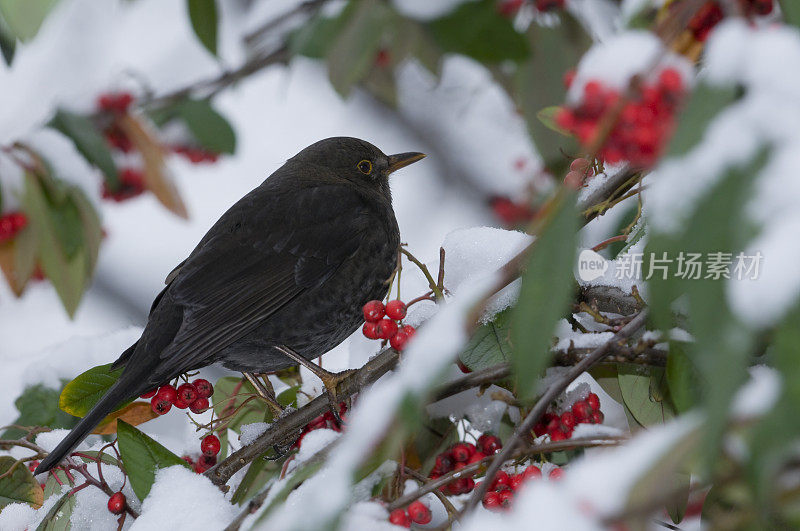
<point x="278" y="280"/>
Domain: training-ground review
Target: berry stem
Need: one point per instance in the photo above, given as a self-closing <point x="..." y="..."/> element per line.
<point x="422" y="267"/>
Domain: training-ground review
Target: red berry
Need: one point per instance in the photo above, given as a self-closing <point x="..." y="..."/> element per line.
<point x="203" y="387"/>
<point x="400" y="517"/>
<point x="396" y="310"/>
<point x="558" y="435"/>
<point x="373" y="311"/>
<point x="116" y="503"/>
<point x="594" y="401"/>
<point x="554" y="426"/>
<point x="444" y="463"/>
<point x="32" y="465"/>
<point x="187" y="393"/>
<point x="505" y="498"/>
<point x="204" y="463"/>
<point x="210" y="445"/>
<point x="569" y="77"/>
<point x="168" y="393"/>
<point x="501" y="480"/>
<point x="383" y="58"/>
<point x="199" y="405"/>
<point x="532" y="472"/>
<point x="477" y="456"/>
<point x="160" y="406"/>
<point x="489" y="444"/>
<point x="399" y="340"/>
<point x="670" y="81"/>
<point x="180" y="404"/>
<point x="556" y="474"/>
<point x="409" y="330"/>
<point x="549" y="5"/>
<point x="581" y="410"/>
<point x="370" y="330"/>
<point x="419" y="513"/>
<point x="568" y="420"/>
<point x="386" y="328"/>
<point x="509" y="8"/>
<point x="460" y="453"/>
<point x="491" y="500"/>
<point x="597" y="417"/>
<point x="149" y="394"/>
<point x="516" y="481"/>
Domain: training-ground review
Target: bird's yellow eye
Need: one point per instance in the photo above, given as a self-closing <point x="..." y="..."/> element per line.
<point x="365" y="167"/>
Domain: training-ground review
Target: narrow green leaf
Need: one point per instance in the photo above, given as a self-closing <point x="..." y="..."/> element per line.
<point x="68" y="275"/>
<point x="261" y="471"/>
<point x="644" y="393"/>
<point x="490" y="344"/>
<point x="38" y="406"/>
<point x="8" y="44"/>
<point x="682" y="378"/>
<point x="20" y="486"/>
<point x="25" y="17"/>
<point x="478" y="30"/>
<point x="208" y="127"/>
<point x="545" y="295"/>
<point x="88" y="142"/>
<point x="352" y="54"/>
<point x="81" y="394"/>
<point x="548" y="117"/>
<point x="143" y="457"/>
<point x="791" y="11"/>
<point x="58" y="517"/>
<point x="704" y="105"/>
<point x="203" y="15"/>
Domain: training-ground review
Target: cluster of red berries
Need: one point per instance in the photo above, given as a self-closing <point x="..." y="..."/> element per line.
<point x="504" y="486"/>
<point x="711" y="13"/>
<point x="324" y="421"/>
<point x="511" y="213"/>
<point x="643" y="127"/>
<point x="460" y="455"/>
<point x="193" y="395"/>
<point x="560" y="427"/>
<point x="385" y="322"/>
<point x="417" y="512"/>
<point x="10" y="224"/>
<point x="209" y="448"/>
<point x="509" y="8"/>
<point x="131" y="184"/>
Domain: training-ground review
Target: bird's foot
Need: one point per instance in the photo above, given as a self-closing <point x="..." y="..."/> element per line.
<point x="331" y="380"/>
<point x="266" y="392"/>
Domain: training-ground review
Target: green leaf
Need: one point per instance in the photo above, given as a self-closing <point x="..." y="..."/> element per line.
<point x="58" y="517"/>
<point x="261" y="471"/>
<point x="143" y="457"/>
<point x="52" y="485"/>
<point x="548" y="117"/>
<point x="51" y="225"/>
<point x="682" y="378"/>
<point x="8" y="44"/>
<point x="25" y="17"/>
<point x="704" y="105"/>
<point x="490" y="345"/>
<point x="314" y="38"/>
<point x="230" y="395"/>
<point x="791" y="11"/>
<point x="352" y="54"/>
<point x="88" y="142"/>
<point x="81" y="394"/>
<point x="478" y="30"/>
<point x="38" y="406"/>
<point x="208" y="127"/>
<point x="20" y="486"/>
<point x="644" y="393"/>
<point x="538" y="85"/>
<point x="545" y="295"/>
<point x="203" y="15"/>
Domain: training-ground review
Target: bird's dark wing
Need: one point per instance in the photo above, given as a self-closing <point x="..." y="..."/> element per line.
<point x="256" y="259"/>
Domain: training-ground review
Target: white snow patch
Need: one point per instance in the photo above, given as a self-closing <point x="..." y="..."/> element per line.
<point x="181" y="499"/>
<point x="759" y="394"/>
<point x="17" y="517"/>
<point x="425" y="9"/>
<point x="251" y="432"/>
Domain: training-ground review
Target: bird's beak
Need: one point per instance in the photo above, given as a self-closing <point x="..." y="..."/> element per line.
<point x="401" y="160"/>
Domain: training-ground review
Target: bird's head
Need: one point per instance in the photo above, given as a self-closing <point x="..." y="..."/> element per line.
<point x="356" y="160"/>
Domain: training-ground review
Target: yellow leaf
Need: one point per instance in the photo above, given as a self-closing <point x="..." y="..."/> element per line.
<point x="155" y="171"/>
<point x="134" y="414"/>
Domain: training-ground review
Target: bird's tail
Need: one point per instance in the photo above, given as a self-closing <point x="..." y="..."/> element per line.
<point x="123" y="389"/>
